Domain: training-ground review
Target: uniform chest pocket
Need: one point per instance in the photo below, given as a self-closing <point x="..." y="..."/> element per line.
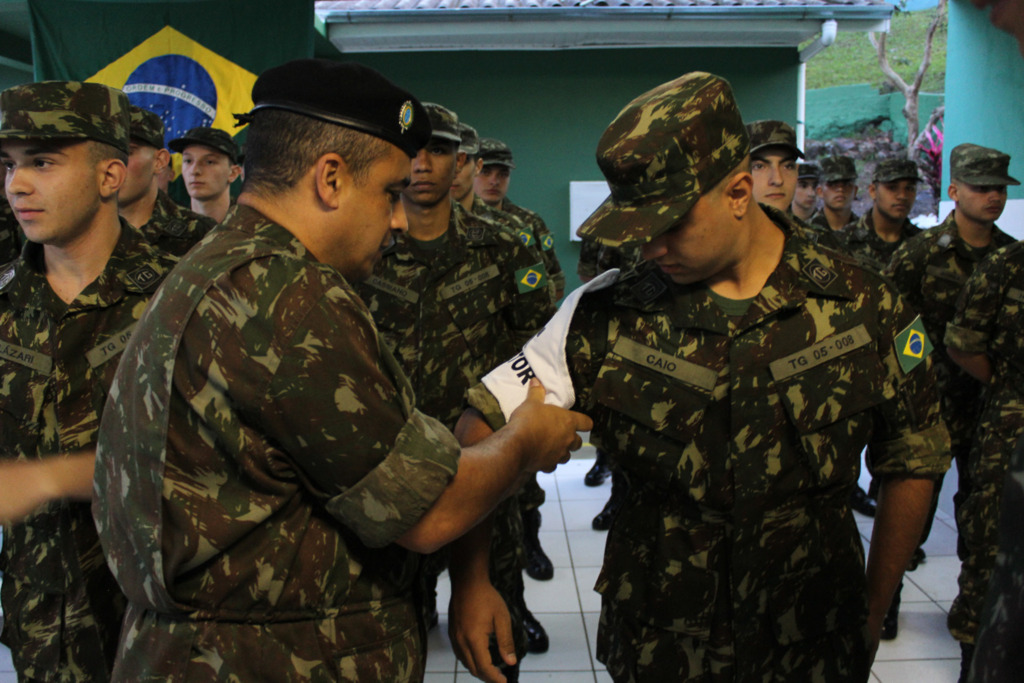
<point x="473" y="300"/>
<point x="828" y="401"/>
<point x="940" y="289"/>
<point x="22" y="399"/>
<point x="652" y="406"/>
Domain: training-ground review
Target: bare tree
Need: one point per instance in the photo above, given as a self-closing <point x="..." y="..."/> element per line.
<point x="912" y="90"/>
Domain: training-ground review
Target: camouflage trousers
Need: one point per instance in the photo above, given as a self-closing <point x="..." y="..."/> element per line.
<point x="382" y="643"/>
<point x="635" y="652"/>
<point x="998" y="655"/>
<point x="977" y="519"/>
<point x="531" y="496"/>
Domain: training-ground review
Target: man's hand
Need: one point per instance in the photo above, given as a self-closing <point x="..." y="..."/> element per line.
<point x="548" y="433"/>
<point x="27" y="484"/>
<point x="475" y="613"/>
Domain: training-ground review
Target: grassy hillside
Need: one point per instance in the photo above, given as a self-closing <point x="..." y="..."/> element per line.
<point x="852" y="59"/>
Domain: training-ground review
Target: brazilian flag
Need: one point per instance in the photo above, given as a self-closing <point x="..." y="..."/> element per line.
<point x="193" y="62"/>
<point x="912" y="345"/>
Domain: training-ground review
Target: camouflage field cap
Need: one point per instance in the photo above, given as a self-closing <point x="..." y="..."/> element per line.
<point x="807" y="171"/>
<point x="771" y="133"/>
<point x="67" y="110"/>
<point x="469" y="140"/>
<point x="661" y="153"/>
<point x="346" y="94"/>
<point x="979" y="165"/>
<point x="837" y="168"/>
<point x="895" y="169"/>
<point x="214" y="138"/>
<point x="494" y="152"/>
<point x="444" y="123"/>
<point x="147" y="127"/>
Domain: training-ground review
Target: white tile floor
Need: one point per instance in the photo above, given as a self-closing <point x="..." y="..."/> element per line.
<point x="568" y="607"/>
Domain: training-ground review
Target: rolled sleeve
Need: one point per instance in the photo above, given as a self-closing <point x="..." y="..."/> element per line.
<point x="968" y="341"/>
<point x="923" y="453"/>
<point x="393" y="496"/>
<point x="480" y="398"/>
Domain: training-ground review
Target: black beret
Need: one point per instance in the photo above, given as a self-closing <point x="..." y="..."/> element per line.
<point x="346" y="94"/>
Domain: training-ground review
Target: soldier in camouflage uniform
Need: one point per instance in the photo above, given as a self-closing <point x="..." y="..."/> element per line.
<point x="773" y="165"/>
<point x="984" y="338"/>
<point x="930" y="270"/>
<point x="264" y="480"/>
<point x="209" y="164"/>
<point x="68" y="304"/>
<point x="452" y="298"/>
<point x="805" y="199"/>
<point x="738" y="375"/>
<point x="10" y="232"/>
<point x="164" y="223"/>
<point x="837" y="190"/>
<point x="467" y="200"/>
<point x="491" y="186"/>
<point x="878" y="233"/>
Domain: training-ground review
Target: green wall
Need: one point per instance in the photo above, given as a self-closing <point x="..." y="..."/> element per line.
<point x="551" y="107"/>
<point x="847" y="109"/>
<point x="984" y="89"/>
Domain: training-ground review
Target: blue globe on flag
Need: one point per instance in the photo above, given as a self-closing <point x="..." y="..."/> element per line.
<point x="178" y="89"/>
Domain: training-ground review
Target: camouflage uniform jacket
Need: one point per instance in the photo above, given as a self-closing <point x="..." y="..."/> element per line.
<point x="174" y="228"/>
<point x="988" y="319"/>
<point x="259" y="457"/>
<point x="452" y="313"/>
<point x="862" y="240"/>
<point x="514" y="226"/>
<point x="930" y="269"/>
<point x="741" y="440"/>
<point x="10" y="232"/>
<point x="820" y="220"/>
<point x="61" y="605"/>
<point x="544" y="238"/>
<point x="597" y="258"/>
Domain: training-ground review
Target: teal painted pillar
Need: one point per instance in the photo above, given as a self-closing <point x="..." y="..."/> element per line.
<point x="984" y="99"/>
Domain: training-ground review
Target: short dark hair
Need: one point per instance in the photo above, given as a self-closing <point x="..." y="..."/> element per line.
<point x="101" y="151"/>
<point x="281" y="146"/>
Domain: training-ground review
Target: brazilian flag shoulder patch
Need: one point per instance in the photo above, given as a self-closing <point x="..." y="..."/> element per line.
<point x="548" y="243"/>
<point x="526" y="237"/>
<point x="531" y="278"/>
<point x="912" y="345"/>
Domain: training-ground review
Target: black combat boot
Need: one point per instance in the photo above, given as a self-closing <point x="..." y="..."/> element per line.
<point x="603" y="520"/>
<point x="890" y="623"/>
<point x="538" y="566"/>
<point x="599" y="472"/>
<point x="862" y="503"/>
<point x="536" y="636"/>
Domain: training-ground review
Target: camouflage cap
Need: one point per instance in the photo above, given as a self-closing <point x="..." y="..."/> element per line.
<point x="895" y="169"/>
<point x="147" y="126"/>
<point x="469" y="140"/>
<point x="807" y="171"/>
<point x="662" y="152"/>
<point x="214" y="138"/>
<point x="770" y="133"/>
<point x="979" y="165"/>
<point x="837" y="168"/>
<point x="443" y="122"/>
<point x="345" y="94"/>
<point x="494" y="152"/>
<point x="68" y="110"/>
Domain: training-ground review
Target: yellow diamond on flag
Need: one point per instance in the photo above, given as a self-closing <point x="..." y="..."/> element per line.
<point x="185" y="83"/>
<point x="531" y="279"/>
<point x="915" y="345"/>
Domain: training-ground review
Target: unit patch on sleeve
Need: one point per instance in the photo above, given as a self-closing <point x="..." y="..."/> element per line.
<point x="531" y="278"/>
<point x="912" y="345"/>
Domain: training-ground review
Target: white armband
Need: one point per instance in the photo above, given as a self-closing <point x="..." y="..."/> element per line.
<point x="543" y="357"/>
